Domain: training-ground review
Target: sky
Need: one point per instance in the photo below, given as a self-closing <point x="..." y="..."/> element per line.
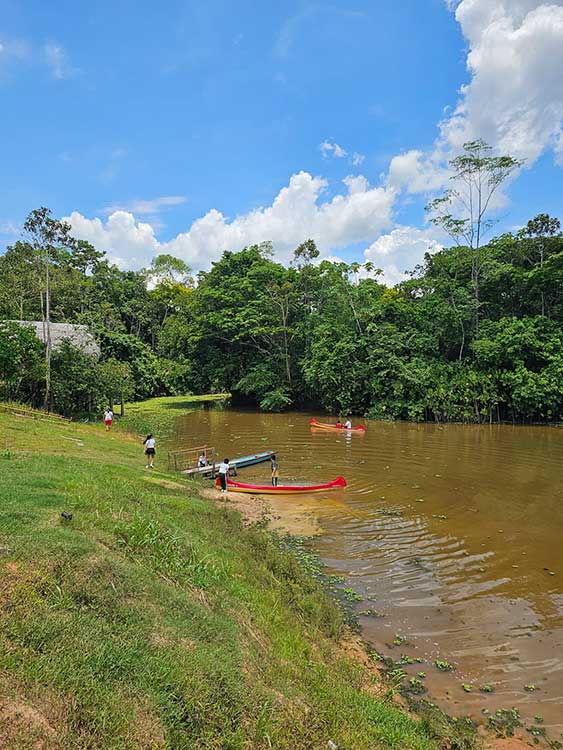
<point x="196" y="127"/>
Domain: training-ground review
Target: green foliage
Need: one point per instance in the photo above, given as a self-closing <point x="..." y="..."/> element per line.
<point x="475" y="335"/>
<point x="21" y="362"/>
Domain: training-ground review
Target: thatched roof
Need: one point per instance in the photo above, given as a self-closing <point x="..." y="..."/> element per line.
<point x="78" y="336"/>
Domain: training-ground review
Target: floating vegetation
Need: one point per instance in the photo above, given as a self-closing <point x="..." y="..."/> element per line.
<point x="504" y="721"/>
<point x="392" y="512"/>
<point x="415" y="685"/>
<point x="530" y="688"/>
<point x="467" y="687"/>
<point x="538" y="718"/>
<point x="370" y="613"/>
<point x="405" y="659"/>
<point x="444" y="666"/>
<point x="421" y="675"/>
<point x="440" y="516"/>
<point x="486" y="688"/>
<point x="399" y="639"/>
<point x="351" y="596"/>
<point x="333" y="579"/>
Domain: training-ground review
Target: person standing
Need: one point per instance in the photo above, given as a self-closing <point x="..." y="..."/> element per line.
<point x="108" y="418"/>
<point x="224" y="474"/>
<point x="150" y="450"/>
<point x="275" y="474"/>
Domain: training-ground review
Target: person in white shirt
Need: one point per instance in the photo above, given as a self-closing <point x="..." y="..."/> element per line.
<point x="348" y="424"/>
<point x="202" y="461"/>
<point x="223" y="474"/>
<point x="108" y="419"/>
<point x="150" y="450"/>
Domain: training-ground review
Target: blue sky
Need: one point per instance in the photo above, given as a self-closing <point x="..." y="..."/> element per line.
<point x="193" y="127"/>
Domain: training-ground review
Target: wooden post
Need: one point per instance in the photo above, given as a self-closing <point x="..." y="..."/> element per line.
<point x="122" y="404"/>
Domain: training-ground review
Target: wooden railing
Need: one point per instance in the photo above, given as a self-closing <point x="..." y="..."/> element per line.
<point x="27" y="411"/>
<point x="187" y="458"/>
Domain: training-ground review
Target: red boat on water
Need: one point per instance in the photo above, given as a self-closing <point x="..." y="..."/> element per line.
<point x="292" y="489"/>
<point x="323" y="426"/>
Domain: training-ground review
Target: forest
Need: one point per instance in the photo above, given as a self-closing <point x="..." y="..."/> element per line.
<point x="323" y="335"/>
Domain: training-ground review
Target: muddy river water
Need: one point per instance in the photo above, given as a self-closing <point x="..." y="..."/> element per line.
<point x="452" y="534"/>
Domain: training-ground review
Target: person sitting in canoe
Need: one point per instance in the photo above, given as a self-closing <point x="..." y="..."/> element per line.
<point x="223" y="474"/>
<point x="348" y="424"/>
<point x="338" y="425"/>
<point x="275" y="474"/>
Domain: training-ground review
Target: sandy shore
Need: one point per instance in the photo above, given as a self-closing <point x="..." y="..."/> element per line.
<point x="294" y="518"/>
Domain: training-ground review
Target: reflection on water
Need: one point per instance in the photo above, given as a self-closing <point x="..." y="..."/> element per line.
<point x="454" y="532"/>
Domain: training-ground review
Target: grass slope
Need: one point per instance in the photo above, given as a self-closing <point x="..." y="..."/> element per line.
<point x="154" y="620"/>
<point x="159" y="414"/>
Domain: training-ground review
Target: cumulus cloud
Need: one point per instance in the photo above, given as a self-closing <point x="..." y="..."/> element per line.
<point x="355" y="215"/>
<point x="408" y="241"/>
<point x="404" y="246"/>
<point x="514" y="99"/>
<point x="331" y="149"/>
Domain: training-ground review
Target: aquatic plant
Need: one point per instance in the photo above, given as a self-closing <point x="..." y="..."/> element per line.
<point x="444" y="666"/>
<point x="504" y="721"/>
<point x="487" y="688"/>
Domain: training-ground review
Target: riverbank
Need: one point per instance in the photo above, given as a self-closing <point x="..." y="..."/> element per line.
<point x="150" y="618"/>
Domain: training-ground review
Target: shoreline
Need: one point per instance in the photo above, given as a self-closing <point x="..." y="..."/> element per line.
<point x="277" y="517"/>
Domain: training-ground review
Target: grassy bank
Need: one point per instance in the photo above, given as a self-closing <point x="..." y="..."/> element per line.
<point x="158" y="414"/>
<point x="152" y="619"/>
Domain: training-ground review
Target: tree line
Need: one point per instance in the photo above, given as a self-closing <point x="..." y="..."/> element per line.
<point x="474" y="334"/>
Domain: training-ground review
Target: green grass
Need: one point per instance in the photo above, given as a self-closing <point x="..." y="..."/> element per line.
<point x="153" y="619"/>
<point x="158" y="414"/>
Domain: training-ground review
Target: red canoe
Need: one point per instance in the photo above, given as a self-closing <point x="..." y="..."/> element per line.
<point x="267" y="489"/>
<point x="322" y="426"/>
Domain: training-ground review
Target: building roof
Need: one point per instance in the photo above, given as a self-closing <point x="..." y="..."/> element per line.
<point x="77" y="335"/>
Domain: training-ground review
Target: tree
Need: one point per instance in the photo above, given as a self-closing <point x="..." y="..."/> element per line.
<point x="539" y="229"/>
<point x="47" y="236"/>
<point x="305" y="254"/>
<point x="20" y="361"/>
<point x="463" y="211"/>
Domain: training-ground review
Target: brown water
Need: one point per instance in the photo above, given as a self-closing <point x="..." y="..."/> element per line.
<point x="453" y="533"/>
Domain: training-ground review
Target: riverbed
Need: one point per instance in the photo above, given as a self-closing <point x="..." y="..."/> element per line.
<point x="451" y="534"/>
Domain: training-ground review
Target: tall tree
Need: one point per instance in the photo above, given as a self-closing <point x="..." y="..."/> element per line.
<point x="463" y="210"/>
<point x="48" y="237"/>
<point x="539" y="229"/>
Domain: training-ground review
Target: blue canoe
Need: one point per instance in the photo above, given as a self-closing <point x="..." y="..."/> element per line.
<point x="238" y="463"/>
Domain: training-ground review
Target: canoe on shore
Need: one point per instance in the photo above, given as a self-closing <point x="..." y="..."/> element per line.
<point x="292" y="489"/>
<point x="238" y="463"/>
<point x="323" y="426"/>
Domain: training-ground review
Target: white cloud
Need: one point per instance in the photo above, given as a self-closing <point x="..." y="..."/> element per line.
<point x="392" y="275"/>
<point x="57" y="60"/>
<point x="146" y="207"/>
<point x="515" y="96"/>
<point x="405" y="247"/>
<point x="357" y="159"/>
<point x="514" y="99"/>
<point x="408" y="241"/>
<point x="356" y="215"/>
<point x="327" y="149"/>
